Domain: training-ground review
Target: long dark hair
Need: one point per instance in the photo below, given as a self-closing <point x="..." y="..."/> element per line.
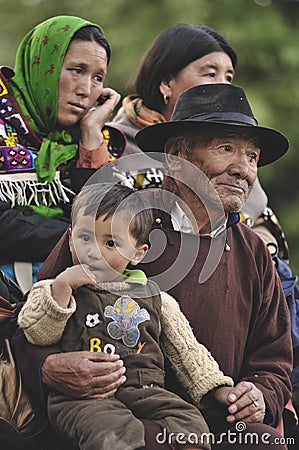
<point x="169" y="53"/>
<point x="92" y="33"/>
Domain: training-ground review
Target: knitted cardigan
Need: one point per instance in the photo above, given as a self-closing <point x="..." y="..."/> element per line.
<point x="43" y="322"/>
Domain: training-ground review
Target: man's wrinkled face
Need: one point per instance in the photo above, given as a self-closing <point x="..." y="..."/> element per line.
<point x="230" y="163"/>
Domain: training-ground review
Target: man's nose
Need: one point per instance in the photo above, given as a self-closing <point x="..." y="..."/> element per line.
<point x="240" y="167"/>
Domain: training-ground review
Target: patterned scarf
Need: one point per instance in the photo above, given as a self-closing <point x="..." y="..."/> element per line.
<point x="140" y="115"/>
<point x="35" y="85"/>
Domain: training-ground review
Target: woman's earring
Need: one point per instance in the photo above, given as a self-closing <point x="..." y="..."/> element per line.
<point x="165" y="98"/>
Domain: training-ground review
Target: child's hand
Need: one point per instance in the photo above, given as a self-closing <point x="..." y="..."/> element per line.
<point x="68" y="280"/>
<point x="222" y="393"/>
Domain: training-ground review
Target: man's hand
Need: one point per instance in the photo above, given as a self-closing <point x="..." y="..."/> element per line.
<point x="246" y="403"/>
<point x="83" y="374"/>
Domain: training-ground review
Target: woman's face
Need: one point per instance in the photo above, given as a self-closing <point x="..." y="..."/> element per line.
<point x="81" y="80"/>
<point x="215" y="67"/>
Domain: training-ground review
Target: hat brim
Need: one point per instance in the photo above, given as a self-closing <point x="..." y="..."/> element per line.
<point x="153" y="137"/>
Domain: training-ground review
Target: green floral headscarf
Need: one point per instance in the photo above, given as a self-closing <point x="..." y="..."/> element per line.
<point x="35" y="84"/>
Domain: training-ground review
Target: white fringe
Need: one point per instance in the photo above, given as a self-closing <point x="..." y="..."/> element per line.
<point x="24" y="189"/>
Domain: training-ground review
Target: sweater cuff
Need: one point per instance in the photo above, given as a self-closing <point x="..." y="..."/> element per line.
<point x="92" y="158"/>
<point x="41" y="318"/>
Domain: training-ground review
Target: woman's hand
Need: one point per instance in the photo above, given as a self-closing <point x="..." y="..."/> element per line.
<point x="83" y="374"/>
<point x="93" y="122"/>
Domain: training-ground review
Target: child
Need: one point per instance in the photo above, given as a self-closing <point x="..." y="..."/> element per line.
<point x="100" y="305"/>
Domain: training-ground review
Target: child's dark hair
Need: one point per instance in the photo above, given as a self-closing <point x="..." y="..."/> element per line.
<point x="104" y="199"/>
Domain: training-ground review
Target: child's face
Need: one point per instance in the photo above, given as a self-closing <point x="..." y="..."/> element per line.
<point x="106" y="246"/>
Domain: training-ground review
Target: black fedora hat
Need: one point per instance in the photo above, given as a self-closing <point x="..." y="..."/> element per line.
<point x="208" y="104"/>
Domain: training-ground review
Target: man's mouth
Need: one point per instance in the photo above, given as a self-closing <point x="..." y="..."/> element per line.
<point x="234" y="187"/>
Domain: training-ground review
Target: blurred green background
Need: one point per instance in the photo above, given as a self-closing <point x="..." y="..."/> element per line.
<point x="264" y="33"/>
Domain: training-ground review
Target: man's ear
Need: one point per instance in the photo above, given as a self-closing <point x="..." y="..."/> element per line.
<point x="139" y="254"/>
<point x="172" y="160"/>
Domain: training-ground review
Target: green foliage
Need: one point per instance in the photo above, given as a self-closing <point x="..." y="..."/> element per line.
<point x="265" y="34"/>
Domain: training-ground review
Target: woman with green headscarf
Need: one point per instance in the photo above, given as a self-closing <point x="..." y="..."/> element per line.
<point x="50" y="131"/>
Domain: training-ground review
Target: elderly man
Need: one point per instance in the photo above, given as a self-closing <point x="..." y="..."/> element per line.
<point x="220" y="272"/>
<point x="239" y="311"/>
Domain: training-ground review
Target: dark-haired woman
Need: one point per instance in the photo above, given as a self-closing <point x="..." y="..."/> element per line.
<point x="181" y="57"/>
<point x="50" y="132"/>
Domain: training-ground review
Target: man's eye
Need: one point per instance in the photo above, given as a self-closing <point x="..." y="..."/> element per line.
<point x="110" y="243"/>
<point x="85" y="237"/>
<point x="253" y="157"/>
<point x="226" y="148"/>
